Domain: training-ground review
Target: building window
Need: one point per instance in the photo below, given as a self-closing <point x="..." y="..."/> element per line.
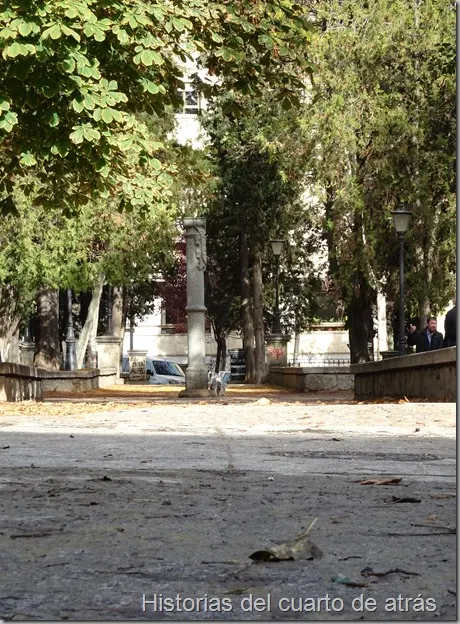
<point x="191" y="100"/>
<point x="175" y="322"/>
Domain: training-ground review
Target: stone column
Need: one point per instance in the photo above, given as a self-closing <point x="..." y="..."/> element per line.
<point x="196" y="374"/>
<point x="26" y="347"/>
<point x="27" y="352"/>
<point x="108" y="359"/>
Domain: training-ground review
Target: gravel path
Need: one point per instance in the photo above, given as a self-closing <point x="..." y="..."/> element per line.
<point x="106" y="514"/>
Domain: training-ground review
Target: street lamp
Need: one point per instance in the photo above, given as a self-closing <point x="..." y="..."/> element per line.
<point x="277" y="247"/>
<point x="70" y="352"/>
<point x="401" y="223"/>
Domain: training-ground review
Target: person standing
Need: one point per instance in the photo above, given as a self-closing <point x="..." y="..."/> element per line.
<point x="427" y="339"/>
<point x="450" y="328"/>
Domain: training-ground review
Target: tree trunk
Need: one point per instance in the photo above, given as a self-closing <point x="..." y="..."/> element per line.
<point x="359" y="313"/>
<point x="424" y="311"/>
<point x="88" y="333"/>
<point x="428" y="262"/>
<point x="221" y="358"/>
<point x="48" y="354"/>
<point x="124" y="315"/>
<point x="296" y="345"/>
<point x="218" y="356"/>
<point x="9" y="341"/>
<point x="258" y="315"/>
<point x="223" y="354"/>
<point x="382" y="331"/>
<point x="9" y="326"/>
<point x="246" y="311"/>
<point x="85" y="300"/>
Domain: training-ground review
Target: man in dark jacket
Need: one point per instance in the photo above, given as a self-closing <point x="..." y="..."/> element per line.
<point x="427" y="339"/>
<point x="450" y="328"/>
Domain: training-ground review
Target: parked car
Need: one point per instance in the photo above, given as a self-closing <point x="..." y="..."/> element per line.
<point x="160" y="372"/>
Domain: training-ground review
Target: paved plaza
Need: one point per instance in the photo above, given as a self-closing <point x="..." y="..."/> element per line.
<point x="150" y="510"/>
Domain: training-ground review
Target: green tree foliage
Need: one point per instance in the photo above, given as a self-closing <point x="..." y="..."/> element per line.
<point x="42" y="248"/>
<point x="260" y="160"/>
<point x="74" y="76"/>
<point x="382" y="122"/>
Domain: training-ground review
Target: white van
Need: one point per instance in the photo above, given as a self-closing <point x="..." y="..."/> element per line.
<point x="160" y="372"/>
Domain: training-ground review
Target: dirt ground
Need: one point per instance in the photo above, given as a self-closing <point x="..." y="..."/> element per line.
<point x="150" y="509"/>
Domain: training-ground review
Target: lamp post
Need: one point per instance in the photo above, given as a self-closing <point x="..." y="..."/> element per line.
<point x="401" y="223"/>
<point x="70" y="352"/>
<point x="277" y="247"/>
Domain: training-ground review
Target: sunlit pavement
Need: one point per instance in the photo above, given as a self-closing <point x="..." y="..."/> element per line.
<point x="102" y="508"/>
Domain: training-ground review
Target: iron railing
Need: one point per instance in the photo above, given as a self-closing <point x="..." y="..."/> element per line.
<point x="325" y="361"/>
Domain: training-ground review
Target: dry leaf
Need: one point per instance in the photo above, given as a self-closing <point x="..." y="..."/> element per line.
<point x="394" y="481"/>
<point x="294" y="550"/>
<point x="405" y="499"/>
<point x="443" y="495"/>
<point x="370" y="572"/>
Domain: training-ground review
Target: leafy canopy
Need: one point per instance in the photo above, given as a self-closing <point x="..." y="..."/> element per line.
<point x="75" y="74"/>
<point x="382" y="120"/>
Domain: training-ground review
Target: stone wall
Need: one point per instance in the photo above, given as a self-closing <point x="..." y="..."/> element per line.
<point x="430" y="376"/>
<point x="312" y="379"/>
<point x="77" y="381"/>
<point x="22" y="383"/>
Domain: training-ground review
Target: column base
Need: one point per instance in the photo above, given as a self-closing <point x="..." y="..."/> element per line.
<point x="276" y="349"/>
<point x="197" y="394"/>
<point x="108" y="353"/>
<point x="196" y="378"/>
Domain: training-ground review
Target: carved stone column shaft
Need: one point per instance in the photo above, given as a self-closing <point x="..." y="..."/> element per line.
<point x="196" y="374"/>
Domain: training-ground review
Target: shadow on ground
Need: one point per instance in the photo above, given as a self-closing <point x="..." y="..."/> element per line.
<point x="91" y="524"/>
<point x="240" y="393"/>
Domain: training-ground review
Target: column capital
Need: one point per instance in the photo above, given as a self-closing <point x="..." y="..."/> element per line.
<point x="196" y="229"/>
<point x="194" y="222"/>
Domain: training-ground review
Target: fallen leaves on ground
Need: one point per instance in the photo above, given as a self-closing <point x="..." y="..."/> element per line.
<point x="394" y="481"/>
<point x="366" y="572"/>
<point x="144" y="396"/>
<point x="405" y="499"/>
<point x="443" y="495"/>
<point x="66" y="408"/>
<point x="299" y="548"/>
